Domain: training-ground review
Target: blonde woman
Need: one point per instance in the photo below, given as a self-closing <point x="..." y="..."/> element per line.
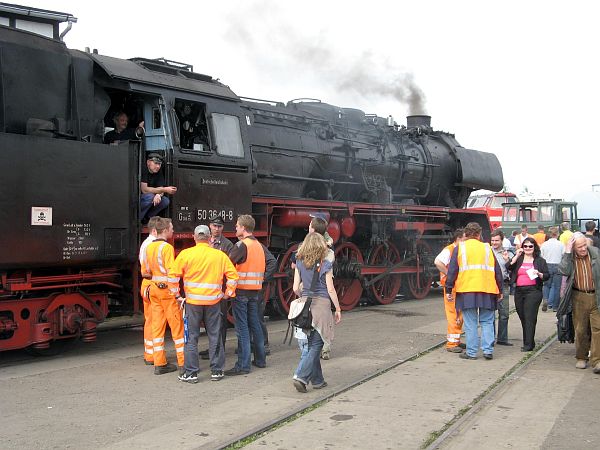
<point x="311" y="255"/>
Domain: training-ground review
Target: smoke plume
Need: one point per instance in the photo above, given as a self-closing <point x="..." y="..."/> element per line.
<point x="281" y="48"/>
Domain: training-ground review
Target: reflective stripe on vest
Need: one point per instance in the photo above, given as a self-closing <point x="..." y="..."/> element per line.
<point x="159" y="278"/>
<point x="159" y="260"/>
<point x="464" y="266"/>
<point x="161" y="265"/>
<point x="201" y="285"/>
<point x="203" y="297"/>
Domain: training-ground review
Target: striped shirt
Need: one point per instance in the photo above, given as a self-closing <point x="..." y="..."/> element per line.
<point x="583" y="279"/>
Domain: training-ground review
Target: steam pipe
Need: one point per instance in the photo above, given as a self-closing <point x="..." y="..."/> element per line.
<point x="66" y="30"/>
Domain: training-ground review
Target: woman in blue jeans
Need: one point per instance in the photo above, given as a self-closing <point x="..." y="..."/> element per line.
<point x="310" y="260"/>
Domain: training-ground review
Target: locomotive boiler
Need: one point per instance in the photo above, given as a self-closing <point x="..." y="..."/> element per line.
<point x="69" y="220"/>
<point x="331" y="153"/>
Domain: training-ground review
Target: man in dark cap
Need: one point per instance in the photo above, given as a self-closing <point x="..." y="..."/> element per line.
<point x="217" y="240"/>
<point x="152" y="187"/>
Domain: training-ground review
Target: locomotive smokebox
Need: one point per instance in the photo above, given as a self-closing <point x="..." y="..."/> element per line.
<point x="418" y="121"/>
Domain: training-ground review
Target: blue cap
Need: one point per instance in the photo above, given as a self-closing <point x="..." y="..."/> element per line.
<point x="320" y="215"/>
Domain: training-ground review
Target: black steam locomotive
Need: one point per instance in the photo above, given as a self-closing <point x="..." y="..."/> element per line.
<point x="69" y="225"/>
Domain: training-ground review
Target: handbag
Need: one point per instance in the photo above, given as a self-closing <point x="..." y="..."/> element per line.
<point x="300" y="315"/>
<point x="566" y="330"/>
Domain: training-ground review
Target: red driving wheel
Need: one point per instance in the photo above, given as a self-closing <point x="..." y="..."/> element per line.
<point x="347" y="286"/>
<point x="419" y="283"/>
<point x="385" y="290"/>
<point x="285" y="293"/>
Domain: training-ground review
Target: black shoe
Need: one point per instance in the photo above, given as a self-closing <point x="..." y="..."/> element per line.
<point x="462" y="345"/>
<point x="454" y="349"/>
<point x="488" y="356"/>
<point x="260" y="366"/>
<point x="167" y="368"/>
<point x="465" y="356"/>
<point x="544" y="305"/>
<point x="508" y="344"/>
<point x="189" y="377"/>
<point x="526" y="349"/>
<point x="216" y="375"/>
<point x="320" y="386"/>
<point x="235" y="371"/>
<point x="204" y="355"/>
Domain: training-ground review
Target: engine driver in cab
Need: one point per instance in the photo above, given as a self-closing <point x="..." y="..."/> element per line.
<point x="121" y="132"/>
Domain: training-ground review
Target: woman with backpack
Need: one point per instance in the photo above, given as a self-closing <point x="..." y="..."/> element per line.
<point x="311" y="262"/>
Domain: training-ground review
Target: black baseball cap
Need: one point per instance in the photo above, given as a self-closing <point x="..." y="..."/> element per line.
<point x="217" y="220"/>
<point x="154" y="157"/>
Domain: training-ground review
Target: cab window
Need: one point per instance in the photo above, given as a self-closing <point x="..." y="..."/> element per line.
<point x="191" y="128"/>
<point x="529" y="214"/>
<point x="228" y="138"/>
<point x="510" y="214"/>
<point x="546" y="213"/>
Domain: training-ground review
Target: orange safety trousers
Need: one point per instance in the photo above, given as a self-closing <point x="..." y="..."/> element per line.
<point x="165" y="310"/>
<point x="455" y="321"/>
<point x="148" y="346"/>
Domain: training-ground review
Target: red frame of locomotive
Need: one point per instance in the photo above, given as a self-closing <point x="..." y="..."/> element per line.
<point x="66" y="312"/>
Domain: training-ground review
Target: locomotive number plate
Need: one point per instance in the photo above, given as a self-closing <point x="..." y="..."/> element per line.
<point x="205" y="214"/>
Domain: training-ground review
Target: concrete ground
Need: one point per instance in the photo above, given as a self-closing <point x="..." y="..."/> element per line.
<point x="102" y="396"/>
<point x="549" y="404"/>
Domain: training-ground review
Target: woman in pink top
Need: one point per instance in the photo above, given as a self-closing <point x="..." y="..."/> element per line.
<point x="529" y="271"/>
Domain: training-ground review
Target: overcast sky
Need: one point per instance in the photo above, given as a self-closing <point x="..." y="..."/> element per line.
<point x="516" y="78"/>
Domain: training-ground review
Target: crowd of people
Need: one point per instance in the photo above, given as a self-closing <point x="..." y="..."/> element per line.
<point x="215" y="271"/>
<point x="561" y="272"/>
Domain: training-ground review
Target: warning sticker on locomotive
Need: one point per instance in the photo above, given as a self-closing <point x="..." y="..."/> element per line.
<point x="41" y="215"/>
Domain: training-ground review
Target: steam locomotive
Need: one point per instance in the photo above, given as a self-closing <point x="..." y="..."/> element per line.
<point x="69" y="225"/>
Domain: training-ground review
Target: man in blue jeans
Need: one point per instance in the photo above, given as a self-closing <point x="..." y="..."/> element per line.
<point x="476" y="277"/>
<point x="254" y="264"/>
<point x="152" y="187"/>
<point x="552" y="251"/>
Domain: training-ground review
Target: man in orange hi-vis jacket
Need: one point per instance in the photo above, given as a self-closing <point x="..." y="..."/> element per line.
<point x="145" y="292"/>
<point x="254" y="264"/>
<point x="203" y="269"/>
<point x="159" y="259"/>
<point x="453" y="317"/>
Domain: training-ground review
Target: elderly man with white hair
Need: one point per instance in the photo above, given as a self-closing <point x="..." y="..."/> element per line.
<point x="581" y="264"/>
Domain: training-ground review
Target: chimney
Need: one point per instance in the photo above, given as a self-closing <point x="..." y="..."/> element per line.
<point x="418" y="121"/>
